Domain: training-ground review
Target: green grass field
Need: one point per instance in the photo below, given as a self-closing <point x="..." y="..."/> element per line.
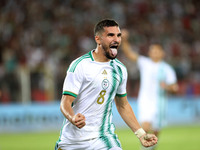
<point x="171" y="138"/>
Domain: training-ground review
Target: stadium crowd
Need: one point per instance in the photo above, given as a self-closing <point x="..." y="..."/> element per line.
<point x="38" y="40"/>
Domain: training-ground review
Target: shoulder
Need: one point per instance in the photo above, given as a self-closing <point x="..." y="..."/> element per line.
<point x="167" y="67"/>
<point x="77" y="63"/>
<point x="122" y="70"/>
<point x="143" y="59"/>
<point x="120" y="64"/>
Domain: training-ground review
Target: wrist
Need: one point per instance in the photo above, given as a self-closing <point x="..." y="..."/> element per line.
<point x="72" y="119"/>
<point x="140" y="132"/>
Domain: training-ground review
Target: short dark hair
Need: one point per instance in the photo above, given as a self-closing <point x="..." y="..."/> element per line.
<point x="156" y="42"/>
<point x="99" y="27"/>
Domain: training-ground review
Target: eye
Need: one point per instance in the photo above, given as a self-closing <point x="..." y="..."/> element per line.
<point x="119" y="35"/>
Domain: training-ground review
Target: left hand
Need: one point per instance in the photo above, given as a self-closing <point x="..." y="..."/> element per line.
<point x="148" y="140"/>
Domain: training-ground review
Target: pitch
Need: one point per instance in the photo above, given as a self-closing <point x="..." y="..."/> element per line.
<point x="171" y="138"/>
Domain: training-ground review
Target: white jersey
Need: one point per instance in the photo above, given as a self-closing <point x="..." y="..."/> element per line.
<point x="151" y="99"/>
<point x="94" y="86"/>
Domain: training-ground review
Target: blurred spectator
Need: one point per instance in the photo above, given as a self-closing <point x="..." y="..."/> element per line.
<point x="38" y="39"/>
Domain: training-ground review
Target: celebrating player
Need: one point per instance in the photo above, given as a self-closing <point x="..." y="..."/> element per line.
<point x="92" y="82"/>
<point x="156" y="77"/>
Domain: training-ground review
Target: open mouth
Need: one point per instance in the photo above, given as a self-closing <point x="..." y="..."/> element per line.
<point x="114" y="46"/>
<point x="113" y="49"/>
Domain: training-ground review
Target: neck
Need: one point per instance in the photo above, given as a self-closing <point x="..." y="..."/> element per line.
<point x="99" y="55"/>
<point x="156" y="60"/>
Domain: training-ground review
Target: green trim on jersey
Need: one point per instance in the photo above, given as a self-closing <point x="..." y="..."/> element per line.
<point x="110" y="142"/>
<point x="119" y="69"/>
<point x="117" y="60"/>
<point x="161" y="95"/>
<point x="56" y="146"/>
<point x="120" y="73"/>
<point x="121" y="95"/>
<point x="74" y="65"/>
<point x="90" y="53"/>
<point x="69" y="93"/>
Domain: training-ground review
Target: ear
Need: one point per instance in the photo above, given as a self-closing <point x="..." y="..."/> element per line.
<point x="97" y="39"/>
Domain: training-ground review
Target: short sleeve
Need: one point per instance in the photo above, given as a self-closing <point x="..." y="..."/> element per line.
<point x="73" y="81"/>
<point x="171" y="76"/>
<point x="121" y="91"/>
<point x="142" y="62"/>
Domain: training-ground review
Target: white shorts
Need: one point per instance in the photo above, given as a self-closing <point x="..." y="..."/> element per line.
<point x="149" y="112"/>
<point x="93" y="144"/>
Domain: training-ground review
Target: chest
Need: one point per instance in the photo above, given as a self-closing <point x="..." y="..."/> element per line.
<point x="153" y="72"/>
<point x="103" y="76"/>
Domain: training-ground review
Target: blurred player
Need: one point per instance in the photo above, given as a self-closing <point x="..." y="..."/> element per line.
<point x="92" y="82"/>
<point x="156" y="77"/>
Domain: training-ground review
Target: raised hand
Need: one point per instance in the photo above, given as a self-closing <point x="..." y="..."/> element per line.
<point x="125" y="34"/>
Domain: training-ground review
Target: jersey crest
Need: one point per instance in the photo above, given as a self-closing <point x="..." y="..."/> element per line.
<point x="105" y="84"/>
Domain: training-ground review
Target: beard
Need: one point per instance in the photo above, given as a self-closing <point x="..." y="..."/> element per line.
<point x="107" y="52"/>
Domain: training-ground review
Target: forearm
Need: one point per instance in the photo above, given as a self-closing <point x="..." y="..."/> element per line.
<point x="65" y="106"/>
<point x="126" y="47"/>
<point x="173" y="88"/>
<point x="128" y="52"/>
<point x="128" y="116"/>
<point x="66" y="109"/>
<point x="130" y="119"/>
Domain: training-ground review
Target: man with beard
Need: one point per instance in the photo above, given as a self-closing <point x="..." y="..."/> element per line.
<point x="92" y="82"/>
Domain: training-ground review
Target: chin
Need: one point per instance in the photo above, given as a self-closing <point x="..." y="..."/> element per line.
<point x="111" y="57"/>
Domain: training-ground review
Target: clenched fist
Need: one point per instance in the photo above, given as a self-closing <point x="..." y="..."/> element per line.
<point x="148" y="140"/>
<point x="78" y="120"/>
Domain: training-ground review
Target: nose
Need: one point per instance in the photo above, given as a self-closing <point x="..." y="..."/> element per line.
<point x="117" y="39"/>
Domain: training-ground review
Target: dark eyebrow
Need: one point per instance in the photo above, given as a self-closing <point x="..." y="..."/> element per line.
<point x="110" y="34"/>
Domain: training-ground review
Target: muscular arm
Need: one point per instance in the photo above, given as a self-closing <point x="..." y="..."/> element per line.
<point x="126" y="47"/>
<point x="128" y="116"/>
<point x="127" y="113"/>
<point x="65" y="106"/>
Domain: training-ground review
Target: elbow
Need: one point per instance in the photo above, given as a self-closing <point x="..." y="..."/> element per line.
<point x="121" y="108"/>
<point x="175" y="88"/>
<point x="61" y="107"/>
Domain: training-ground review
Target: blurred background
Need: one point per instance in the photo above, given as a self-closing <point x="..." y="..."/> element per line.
<point x="39" y="39"/>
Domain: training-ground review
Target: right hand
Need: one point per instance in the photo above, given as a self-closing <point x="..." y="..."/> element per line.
<point x="125" y="34"/>
<point x="78" y="120"/>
